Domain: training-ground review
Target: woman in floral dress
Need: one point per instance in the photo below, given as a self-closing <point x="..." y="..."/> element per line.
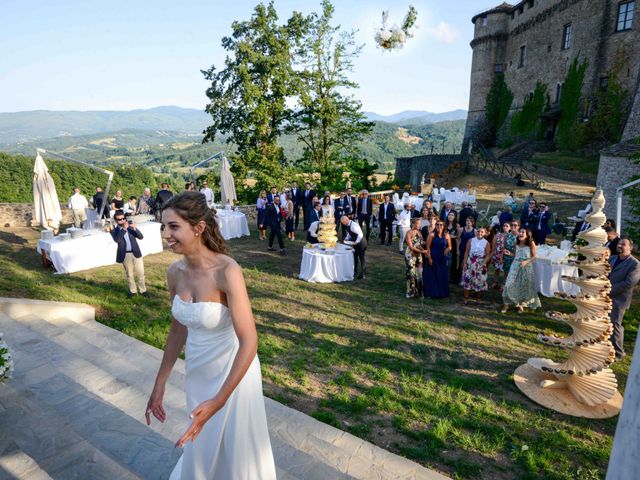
<point x="520" y="288"/>
<point x="498" y="247"/>
<point x="465" y="233"/>
<point x="413" y="258"/>
<point x="510" y="248"/>
<point x="476" y="260"/>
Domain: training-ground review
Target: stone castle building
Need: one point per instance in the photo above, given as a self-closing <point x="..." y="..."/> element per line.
<point x="536" y="40"/>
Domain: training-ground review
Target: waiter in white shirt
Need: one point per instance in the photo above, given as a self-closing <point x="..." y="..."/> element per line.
<point x="208" y="194"/>
<point x="78" y="203"/>
<point x="355" y="239"/>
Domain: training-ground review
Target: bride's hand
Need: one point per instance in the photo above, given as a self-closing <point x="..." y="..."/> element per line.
<point x="200" y="415"/>
<point x="154" y="405"/>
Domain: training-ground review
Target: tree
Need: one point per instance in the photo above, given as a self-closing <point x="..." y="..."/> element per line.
<point x="525" y="123"/>
<point x="248" y="96"/>
<point x="327" y="120"/>
<point x="497" y="107"/>
<point x="566" y="134"/>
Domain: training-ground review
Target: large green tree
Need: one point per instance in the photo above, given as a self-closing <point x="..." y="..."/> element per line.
<point x="498" y="103"/>
<point x="327" y="119"/>
<point x="248" y="97"/>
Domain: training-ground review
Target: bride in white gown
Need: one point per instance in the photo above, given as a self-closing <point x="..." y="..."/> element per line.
<point x="227" y="437"/>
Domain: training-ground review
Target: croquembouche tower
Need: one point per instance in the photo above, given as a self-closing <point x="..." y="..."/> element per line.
<point x="327" y="233"/>
<point x="582" y="385"/>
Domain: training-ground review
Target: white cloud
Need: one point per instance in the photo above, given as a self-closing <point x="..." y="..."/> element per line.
<point x="444" y="33"/>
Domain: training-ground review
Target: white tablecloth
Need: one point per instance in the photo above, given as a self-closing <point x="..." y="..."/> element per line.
<point x="232" y="224"/>
<point x="549" y="278"/>
<point x="323" y="267"/>
<point x="96" y="249"/>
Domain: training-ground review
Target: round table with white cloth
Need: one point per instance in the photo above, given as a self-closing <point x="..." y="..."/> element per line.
<point x="550" y="266"/>
<point x="233" y="224"/>
<point x="327" y="266"/>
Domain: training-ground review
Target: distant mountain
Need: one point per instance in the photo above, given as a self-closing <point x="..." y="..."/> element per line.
<point x="20" y="127"/>
<point x="417" y="117"/>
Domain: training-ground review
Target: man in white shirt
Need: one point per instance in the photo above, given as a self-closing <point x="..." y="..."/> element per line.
<point x="78" y="203"/>
<point x="404" y="225"/>
<point x="355" y="238"/>
<point x="208" y="194"/>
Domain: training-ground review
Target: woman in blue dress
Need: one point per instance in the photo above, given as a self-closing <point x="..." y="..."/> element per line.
<point x="435" y="273"/>
<point x="261" y="207"/>
<point x="466" y="233"/>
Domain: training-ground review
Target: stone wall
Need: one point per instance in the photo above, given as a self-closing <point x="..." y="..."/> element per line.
<point x="559" y="173"/>
<point x="411" y="169"/>
<point x="615" y="170"/>
<point x="538" y="26"/>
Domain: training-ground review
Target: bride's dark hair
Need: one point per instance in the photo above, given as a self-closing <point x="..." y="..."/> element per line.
<point x="192" y="207"/>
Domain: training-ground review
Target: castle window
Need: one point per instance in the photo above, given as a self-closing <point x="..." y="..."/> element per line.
<point x="567" y="33"/>
<point x="523" y="52"/>
<point x="498" y="68"/>
<point x="558" y="93"/>
<point x="625" y="16"/>
<point x="531" y="3"/>
<point x="484" y="21"/>
<point x="604" y="83"/>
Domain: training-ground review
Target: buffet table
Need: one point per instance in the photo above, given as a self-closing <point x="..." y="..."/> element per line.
<point x="327" y="266"/>
<point x="95" y="249"/>
<point x="232" y="224"/>
<point x="550" y="266"/>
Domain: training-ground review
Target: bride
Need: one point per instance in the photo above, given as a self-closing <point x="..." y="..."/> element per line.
<point x="327" y="206"/>
<point x="227" y="437"/>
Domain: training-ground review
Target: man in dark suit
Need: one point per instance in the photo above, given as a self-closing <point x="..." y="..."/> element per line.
<point x="542" y="226"/>
<point x="273" y="219"/>
<point x="386" y="216"/>
<point x="307" y="203"/>
<point x="341" y="207"/>
<point x="162" y="197"/>
<point x="272" y="194"/>
<point x="364" y="210"/>
<point x="355" y="238"/>
<point x="612" y="240"/>
<point x="624" y="275"/>
<point x="126" y="235"/>
<point x="529" y="216"/>
<point x="98" y="200"/>
<point x="352" y="203"/>
<point x="297" y="197"/>
<point x="448" y="207"/>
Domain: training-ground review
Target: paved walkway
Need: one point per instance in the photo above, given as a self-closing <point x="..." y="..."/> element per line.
<point x="74" y="410"/>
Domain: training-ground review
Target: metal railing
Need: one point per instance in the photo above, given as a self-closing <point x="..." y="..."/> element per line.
<point x="487" y="162"/>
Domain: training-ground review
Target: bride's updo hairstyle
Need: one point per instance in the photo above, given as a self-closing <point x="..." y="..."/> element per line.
<point x="192" y="207"/>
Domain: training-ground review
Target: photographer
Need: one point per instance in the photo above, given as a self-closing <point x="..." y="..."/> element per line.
<point x="126" y="235"/>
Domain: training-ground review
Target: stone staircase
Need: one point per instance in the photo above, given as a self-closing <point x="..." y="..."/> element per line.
<point x="74" y="409"/>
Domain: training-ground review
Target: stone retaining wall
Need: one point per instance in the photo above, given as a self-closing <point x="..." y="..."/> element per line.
<point x="559" y="173"/>
<point x="616" y="169"/>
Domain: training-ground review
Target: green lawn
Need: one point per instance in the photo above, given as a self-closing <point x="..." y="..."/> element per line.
<point x="429" y="380"/>
<point x="568" y="161"/>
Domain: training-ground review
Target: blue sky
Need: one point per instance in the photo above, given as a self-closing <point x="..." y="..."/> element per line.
<point x="121" y="55"/>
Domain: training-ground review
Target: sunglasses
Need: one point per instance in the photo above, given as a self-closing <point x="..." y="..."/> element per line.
<point x="120" y="219"/>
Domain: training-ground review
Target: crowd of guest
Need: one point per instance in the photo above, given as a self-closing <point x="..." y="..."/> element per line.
<point x="144" y="204"/>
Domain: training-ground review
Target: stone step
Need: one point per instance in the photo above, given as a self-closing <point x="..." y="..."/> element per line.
<point x="97" y="380"/>
<point x="80" y="360"/>
<point x="14" y="463"/>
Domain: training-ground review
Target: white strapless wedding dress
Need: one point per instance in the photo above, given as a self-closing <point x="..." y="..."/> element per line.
<point x="234" y="443"/>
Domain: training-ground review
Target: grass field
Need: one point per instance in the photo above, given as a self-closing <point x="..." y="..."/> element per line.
<point x="568" y="161"/>
<point x="429" y="380"/>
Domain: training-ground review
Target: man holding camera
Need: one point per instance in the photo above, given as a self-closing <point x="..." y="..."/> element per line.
<point x="126" y="235"/>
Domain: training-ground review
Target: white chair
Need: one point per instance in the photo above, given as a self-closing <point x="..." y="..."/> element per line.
<point x="484" y="214"/>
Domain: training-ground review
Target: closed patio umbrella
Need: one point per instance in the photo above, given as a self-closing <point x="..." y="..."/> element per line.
<point x="45" y="197"/>
<point x="227" y="185"/>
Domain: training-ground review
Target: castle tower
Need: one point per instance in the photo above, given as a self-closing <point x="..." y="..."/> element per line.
<point x="489" y="50"/>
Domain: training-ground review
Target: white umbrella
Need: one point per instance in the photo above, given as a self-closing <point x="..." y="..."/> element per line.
<point x="45" y="197"/>
<point x="227" y="185"/>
